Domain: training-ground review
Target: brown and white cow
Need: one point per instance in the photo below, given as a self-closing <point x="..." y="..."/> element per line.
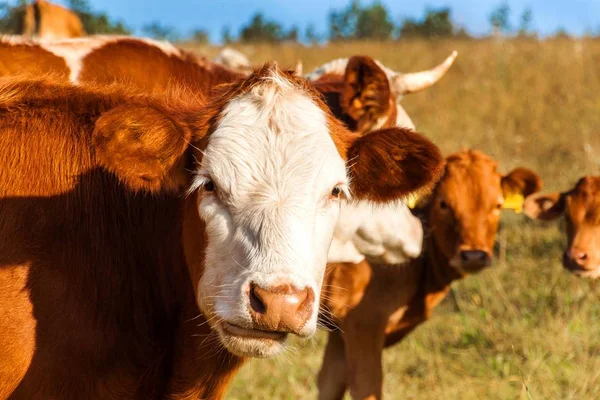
<point x="368" y="94"/>
<point x="374" y="306"/>
<point x="150" y="243"/>
<point x="580" y="207"/>
<point x="365" y="94"/>
<point x="50" y="21"/>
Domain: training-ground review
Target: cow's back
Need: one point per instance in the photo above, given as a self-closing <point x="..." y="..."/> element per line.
<point x="29" y="59"/>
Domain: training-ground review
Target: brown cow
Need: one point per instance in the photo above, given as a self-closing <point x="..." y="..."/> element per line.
<point x="375" y="306"/>
<point x="150" y="243"/>
<point x="581" y="208"/>
<point x="50" y="21"/>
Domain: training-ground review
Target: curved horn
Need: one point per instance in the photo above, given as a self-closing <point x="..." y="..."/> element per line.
<point x="417" y="81"/>
<point x="298" y="69"/>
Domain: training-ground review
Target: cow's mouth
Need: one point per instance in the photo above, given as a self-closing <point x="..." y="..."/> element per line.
<point x="244" y="333"/>
<point x="580" y="270"/>
<point x="245" y="342"/>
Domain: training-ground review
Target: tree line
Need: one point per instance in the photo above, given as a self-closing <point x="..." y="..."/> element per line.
<point x="355" y="21"/>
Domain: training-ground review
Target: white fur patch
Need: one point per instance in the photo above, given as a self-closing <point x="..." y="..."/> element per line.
<point x="387" y="233"/>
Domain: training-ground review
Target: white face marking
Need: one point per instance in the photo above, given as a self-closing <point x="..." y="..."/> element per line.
<point x="271" y="218"/>
<point x="387" y="234"/>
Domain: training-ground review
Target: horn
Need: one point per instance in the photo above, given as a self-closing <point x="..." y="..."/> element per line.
<point x="298" y="69"/>
<point x="417" y="81"/>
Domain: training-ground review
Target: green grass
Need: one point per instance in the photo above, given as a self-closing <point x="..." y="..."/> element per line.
<point x="525" y="328"/>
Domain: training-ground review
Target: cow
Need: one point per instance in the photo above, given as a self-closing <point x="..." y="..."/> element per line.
<point x="234" y="60"/>
<point x="364" y="94"/>
<point x="150" y="243"/>
<point x="372" y="306"/>
<point x="580" y="207"/>
<point x="379" y="101"/>
<point x="50" y="21"/>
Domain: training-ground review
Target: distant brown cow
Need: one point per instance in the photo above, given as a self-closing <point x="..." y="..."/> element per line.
<point x="50" y="21"/>
<point x="581" y="208"/>
<point x="376" y="306"/>
<point x="149" y="244"/>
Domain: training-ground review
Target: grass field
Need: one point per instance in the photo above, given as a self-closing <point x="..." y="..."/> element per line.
<point x="524" y="329"/>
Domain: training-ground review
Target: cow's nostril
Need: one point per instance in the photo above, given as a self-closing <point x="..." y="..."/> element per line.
<point x="576" y="255"/>
<point x="256" y="303"/>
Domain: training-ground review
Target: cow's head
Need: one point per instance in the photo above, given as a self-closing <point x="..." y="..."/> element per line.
<point x="581" y="209"/>
<point x="270" y="167"/>
<point x="464" y="209"/>
<point x="366" y="95"/>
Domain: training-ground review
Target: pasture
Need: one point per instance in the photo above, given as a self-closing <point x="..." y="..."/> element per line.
<point x="525" y="328"/>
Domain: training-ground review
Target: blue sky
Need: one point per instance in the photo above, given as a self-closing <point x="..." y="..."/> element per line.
<point x="548" y="15"/>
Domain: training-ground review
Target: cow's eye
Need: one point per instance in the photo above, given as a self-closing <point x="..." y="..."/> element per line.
<point x="209" y="186"/>
<point x="443" y="205"/>
<point x="336" y="192"/>
<point x="499" y="205"/>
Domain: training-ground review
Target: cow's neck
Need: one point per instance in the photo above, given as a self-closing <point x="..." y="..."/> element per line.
<point x="438" y="274"/>
<point x="202" y="367"/>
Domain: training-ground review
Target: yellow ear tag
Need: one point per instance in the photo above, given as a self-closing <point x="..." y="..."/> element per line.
<point x="514" y="201"/>
<point x="411" y="200"/>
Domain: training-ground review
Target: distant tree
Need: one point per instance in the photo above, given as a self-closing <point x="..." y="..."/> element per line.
<point x="561" y="33"/>
<point x="358" y="22"/>
<point x="311" y="34"/>
<point x="226" y="36"/>
<point x="435" y="23"/>
<point x="342" y="23"/>
<point x="373" y="23"/>
<point x="200" y="36"/>
<point x="96" y="22"/>
<point x="525" y="23"/>
<point x="500" y="19"/>
<point x="292" y="35"/>
<point x="11" y="18"/>
<point x="161" y="32"/>
<point x="260" y="30"/>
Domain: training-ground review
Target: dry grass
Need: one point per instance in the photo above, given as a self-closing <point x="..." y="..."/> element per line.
<point x="526" y="329"/>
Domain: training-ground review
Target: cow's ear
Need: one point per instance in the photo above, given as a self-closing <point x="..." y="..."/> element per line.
<point x="366" y="94"/>
<point x="518" y="184"/>
<point x="545" y="206"/>
<point x="391" y="163"/>
<point x="144" y="147"/>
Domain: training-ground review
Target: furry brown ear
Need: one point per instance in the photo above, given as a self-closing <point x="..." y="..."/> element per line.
<point x="144" y="147"/>
<point x="366" y="94"/>
<point x="544" y="206"/>
<point x="523" y="181"/>
<point x="391" y="163"/>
